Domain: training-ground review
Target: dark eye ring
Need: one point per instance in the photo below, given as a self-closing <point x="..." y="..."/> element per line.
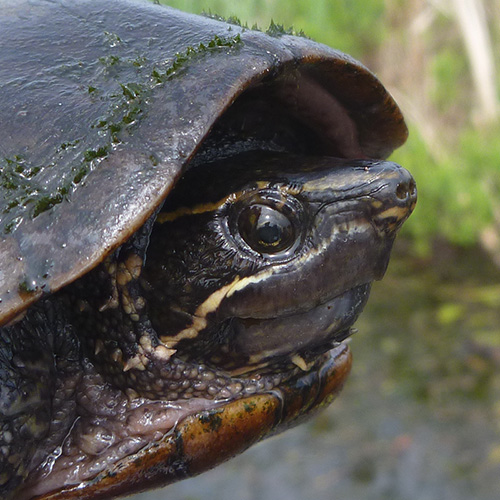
<point x="266" y="229"/>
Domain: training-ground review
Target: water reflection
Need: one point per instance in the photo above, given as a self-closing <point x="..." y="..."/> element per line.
<point x="420" y="415"/>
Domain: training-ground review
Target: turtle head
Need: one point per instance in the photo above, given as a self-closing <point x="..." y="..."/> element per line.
<point x="274" y="261"/>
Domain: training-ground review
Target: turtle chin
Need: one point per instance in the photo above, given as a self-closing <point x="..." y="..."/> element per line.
<point x="298" y="336"/>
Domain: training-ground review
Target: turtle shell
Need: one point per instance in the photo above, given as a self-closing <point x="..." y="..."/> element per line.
<point x="103" y="105"/>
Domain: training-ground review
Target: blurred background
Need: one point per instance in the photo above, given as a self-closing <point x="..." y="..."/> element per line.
<point x="419" y="417"/>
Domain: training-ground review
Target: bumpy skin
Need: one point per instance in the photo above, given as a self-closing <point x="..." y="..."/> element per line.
<point x="106" y="106"/>
<point x="40" y="366"/>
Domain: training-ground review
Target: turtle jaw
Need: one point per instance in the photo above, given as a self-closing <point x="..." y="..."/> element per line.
<point x="298" y="337"/>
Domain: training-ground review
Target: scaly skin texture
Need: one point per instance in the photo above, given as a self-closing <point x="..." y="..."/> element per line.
<point x="127" y="348"/>
<point x="213" y="436"/>
<point x="39" y="371"/>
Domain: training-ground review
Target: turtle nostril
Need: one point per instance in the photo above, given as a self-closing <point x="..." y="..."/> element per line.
<point x="403" y="190"/>
<point x="413" y="188"/>
<point x="406" y="190"/>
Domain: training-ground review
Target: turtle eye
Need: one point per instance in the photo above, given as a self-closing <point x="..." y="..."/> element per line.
<point x="265" y="229"/>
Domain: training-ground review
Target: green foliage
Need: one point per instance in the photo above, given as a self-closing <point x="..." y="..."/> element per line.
<point x="448" y="66"/>
<point x="456" y="195"/>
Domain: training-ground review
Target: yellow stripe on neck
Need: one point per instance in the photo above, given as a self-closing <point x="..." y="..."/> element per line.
<point x="197" y="209"/>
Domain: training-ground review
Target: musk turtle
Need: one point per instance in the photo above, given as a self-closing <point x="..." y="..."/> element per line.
<point x="192" y="215"/>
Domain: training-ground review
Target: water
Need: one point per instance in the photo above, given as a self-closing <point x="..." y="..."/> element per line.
<point x="419" y="418"/>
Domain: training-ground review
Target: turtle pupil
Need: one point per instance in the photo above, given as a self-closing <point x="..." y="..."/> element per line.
<point x="269" y="234"/>
<point x="265" y="229"/>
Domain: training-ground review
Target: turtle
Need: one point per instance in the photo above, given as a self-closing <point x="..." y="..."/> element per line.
<point x="193" y="213"/>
